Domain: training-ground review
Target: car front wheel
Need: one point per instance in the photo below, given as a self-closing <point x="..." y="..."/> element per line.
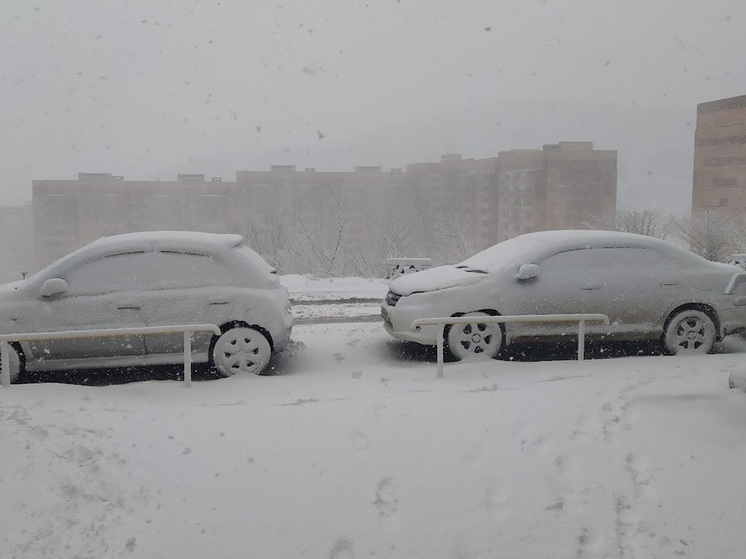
<point x="241" y="350"/>
<point x="689" y="332"/>
<point x="468" y="340"/>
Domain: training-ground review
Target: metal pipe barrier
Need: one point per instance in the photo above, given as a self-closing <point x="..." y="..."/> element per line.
<point x="187" y="329"/>
<point x="443" y="321"/>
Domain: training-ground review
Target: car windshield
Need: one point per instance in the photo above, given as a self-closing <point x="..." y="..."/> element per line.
<point x="521" y="250"/>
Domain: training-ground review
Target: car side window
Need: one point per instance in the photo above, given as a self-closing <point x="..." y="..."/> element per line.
<point x="180" y="270"/>
<point x="637" y="263"/>
<point x="608" y="262"/>
<point x="634" y="257"/>
<point x="626" y="258"/>
<point x="116" y="272"/>
<point x="573" y="262"/>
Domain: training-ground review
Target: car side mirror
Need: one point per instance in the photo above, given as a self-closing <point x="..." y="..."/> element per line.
<point x="528" y="272"/>
<point x="53" y="286"/>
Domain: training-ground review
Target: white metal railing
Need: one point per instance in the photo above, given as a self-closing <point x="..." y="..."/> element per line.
<point x="186" y="329"/>
<point x="581" y="319"/>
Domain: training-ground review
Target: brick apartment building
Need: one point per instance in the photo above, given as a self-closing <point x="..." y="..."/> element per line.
<point x="71" y="213"/>
<point x="562" y="186"/>
<point x="478" y="202"/>
<point x="720" y="156"/>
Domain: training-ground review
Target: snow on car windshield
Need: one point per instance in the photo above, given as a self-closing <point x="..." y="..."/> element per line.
<point x="517" y="250"/>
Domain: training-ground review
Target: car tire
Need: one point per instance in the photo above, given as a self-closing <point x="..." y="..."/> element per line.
<point x="241" y="350"/>
<point x="470" y="340"/>
<point x="689" y="332"/>
<point x="16" y="363"/>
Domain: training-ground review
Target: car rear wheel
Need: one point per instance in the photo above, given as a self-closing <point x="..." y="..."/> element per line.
<point x="241" y="350"/>
<point x="690" y="332"/>
<point x="479" y="338"/>
<point x="16" y="363"/>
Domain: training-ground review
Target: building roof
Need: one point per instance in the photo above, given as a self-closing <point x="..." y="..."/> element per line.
<point x="727" y="104"/>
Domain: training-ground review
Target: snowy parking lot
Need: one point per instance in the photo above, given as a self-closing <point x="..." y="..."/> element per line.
<point x="354" y="449"/>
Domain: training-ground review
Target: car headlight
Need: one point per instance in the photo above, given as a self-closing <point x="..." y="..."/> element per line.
<point x="392" y="298"/>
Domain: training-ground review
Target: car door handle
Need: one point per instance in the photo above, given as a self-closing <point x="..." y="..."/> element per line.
<point x="218" y="302"/>
<point x="671" y="282"/>
<point x="128" y="308"/>
<point x="590" y="286"/>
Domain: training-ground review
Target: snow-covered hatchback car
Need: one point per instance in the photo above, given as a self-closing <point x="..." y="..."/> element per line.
<point x="649" y="289"/>
<point x="160" y="278"/>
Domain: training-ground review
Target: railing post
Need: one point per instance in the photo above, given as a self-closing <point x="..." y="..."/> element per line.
<point x="444" y="321"/>
<point x="5" y="362"/>
<point x="440" y="350"/>
<point x="187" y="358"/>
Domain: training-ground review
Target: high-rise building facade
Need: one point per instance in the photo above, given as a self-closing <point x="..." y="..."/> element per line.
<point x="458" y="197"/>
<point x="71" y="213"/>
<point x="444" y="210"/>
<point x="562" y="186"/>
<point x="719" y="181"/>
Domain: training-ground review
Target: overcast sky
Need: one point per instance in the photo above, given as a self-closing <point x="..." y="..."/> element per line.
<point x="149" y="88"/>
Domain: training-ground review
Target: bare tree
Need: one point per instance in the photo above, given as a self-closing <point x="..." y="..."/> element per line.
<point x="458" y="243"/>
<point x="271" y="237"/>
<point x="712" y="234"/>
<point x="322" y="237"/>
<point x="398" y="235"/>
<point x="642" y="222"/>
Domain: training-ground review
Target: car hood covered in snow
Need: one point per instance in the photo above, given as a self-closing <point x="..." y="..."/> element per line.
<point x="434" y="279"/>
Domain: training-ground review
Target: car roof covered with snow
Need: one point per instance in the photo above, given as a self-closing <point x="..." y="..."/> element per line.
<point x="174" y="241"/>
<point x="533" y="247"/>
<point x="166" y="240"/>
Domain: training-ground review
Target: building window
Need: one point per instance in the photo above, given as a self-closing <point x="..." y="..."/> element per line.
<point x="725" y="181"/>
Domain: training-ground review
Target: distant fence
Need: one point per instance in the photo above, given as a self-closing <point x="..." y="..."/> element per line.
<point x="581" y="319"/>
<point x="186" y="329"/>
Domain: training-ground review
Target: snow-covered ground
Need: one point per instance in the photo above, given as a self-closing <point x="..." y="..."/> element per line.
<point x="310" y="288"/>
<point x="335" y="299"/>
<point x="354" y="449"/>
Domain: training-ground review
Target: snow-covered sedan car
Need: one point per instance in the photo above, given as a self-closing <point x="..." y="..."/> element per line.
<point x="160" y="278"/>
<point x="649" y="289"/>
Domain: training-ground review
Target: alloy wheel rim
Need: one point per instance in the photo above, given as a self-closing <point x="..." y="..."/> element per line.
<point x="241" y="351"/>
<point x="691" y="333"/>
<point x="474" y="339"/>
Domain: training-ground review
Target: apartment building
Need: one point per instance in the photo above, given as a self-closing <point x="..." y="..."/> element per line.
<point x="458" y="197"/>
<point x="443" y="209"/>
<point x="561" y="186"/>
<point x="71" y="213"/>
<point x="719" y="180"/>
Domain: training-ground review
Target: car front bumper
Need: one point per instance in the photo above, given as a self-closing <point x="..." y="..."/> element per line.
<point x="397" y="320"/>
<point x="280" y="330"/>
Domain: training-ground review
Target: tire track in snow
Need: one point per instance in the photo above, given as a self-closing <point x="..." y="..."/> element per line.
<point x="602" y="496"/>
<point x="627" y="488"/>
